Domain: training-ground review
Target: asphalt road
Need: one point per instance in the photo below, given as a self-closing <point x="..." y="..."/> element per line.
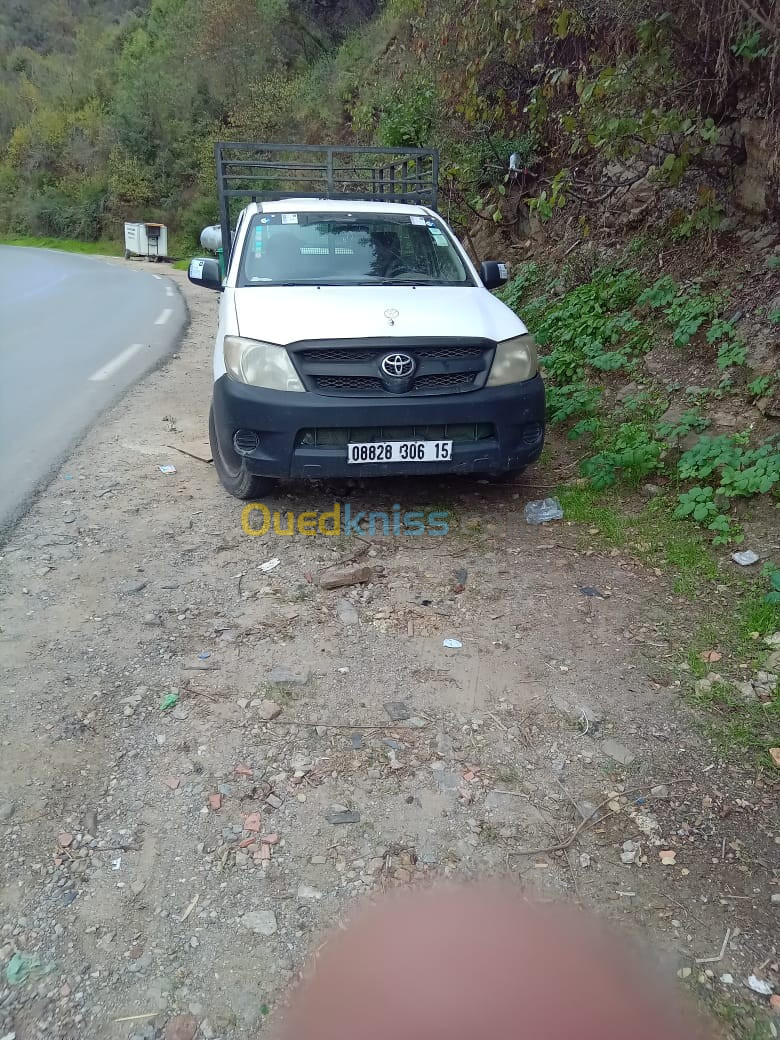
<point x="75" y="333"/>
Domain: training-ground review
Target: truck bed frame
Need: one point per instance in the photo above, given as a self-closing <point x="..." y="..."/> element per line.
<point x="254" y="171"/>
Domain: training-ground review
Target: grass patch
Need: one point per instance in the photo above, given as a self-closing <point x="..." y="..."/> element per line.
<point x="65" y="245"/>
<point x="735" y="722"/>
<point x="652" y="535"/>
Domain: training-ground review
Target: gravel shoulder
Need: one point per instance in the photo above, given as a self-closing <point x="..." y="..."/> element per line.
<point x="175" y="866"/>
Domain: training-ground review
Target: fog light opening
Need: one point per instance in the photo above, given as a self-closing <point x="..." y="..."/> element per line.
<point x="245" y="441"/>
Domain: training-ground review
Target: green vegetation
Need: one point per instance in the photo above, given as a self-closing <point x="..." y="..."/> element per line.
<point x="605" y="325"/>
<point x="67" y="245"/>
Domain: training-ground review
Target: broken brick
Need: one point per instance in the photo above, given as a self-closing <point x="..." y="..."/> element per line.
<point x="252" y="822"/>
<point x="215" y="801"/>
<point x="245" y="771"/>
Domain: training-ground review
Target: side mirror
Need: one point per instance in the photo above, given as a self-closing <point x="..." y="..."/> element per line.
<point x="493" y="274"/>
<point x="204" y="271"/>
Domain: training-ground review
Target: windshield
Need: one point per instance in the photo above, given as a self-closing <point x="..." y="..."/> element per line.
<point x="349" y="249"/>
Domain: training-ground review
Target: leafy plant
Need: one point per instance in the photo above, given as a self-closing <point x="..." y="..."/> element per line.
<point x="632" y="455"/>
<point x="690" y="421"/>
<point x="565" y="402"/>
<point x="698" y="503"/>
<point x="732" y="352"/>
<point x="773" y="596"/>
<point x="759" y="386"/>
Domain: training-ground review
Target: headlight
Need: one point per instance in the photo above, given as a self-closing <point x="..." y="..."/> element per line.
<point x="515" y="361"/>
<point x="260" y="364"/>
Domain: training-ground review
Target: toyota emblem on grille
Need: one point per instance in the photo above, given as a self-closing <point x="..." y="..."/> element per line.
<point x="397" y="365"/>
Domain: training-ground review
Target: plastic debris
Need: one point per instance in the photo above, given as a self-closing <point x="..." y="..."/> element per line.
<point x="170" y="700"/>
<point x="204" y="655"/>
<point x="590" y="590"/>
<point x="760" y="986"/>
<point x="23" y="966"/>
<point x="745" y="558"/>
<point x="167" y="469"/>
<point x="270" y="565"/>
<point x="543" y="510"/>
<point x="452" y="644"/>
<point x="668" y="857"/>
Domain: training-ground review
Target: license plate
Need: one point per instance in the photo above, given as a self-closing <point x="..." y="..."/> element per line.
<point x="400" y="451"/>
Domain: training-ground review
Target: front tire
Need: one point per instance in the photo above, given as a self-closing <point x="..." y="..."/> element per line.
<point x="232" y="471"/>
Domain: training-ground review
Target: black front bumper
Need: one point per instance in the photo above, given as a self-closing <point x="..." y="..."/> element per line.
<point x="279" y="418"/>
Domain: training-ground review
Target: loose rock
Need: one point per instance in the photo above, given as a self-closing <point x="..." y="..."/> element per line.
<point x="181" y="1027"/>
<point x="262" y="922"/>
<point x="337" y="578"/>
<point x="619" y="752"/>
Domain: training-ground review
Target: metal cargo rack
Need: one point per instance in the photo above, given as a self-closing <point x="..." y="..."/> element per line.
<point x="256" y="172"/>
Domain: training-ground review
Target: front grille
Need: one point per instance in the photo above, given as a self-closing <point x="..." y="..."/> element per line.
<point x="348" y="383"/>
<point x="340" y="437"/>
<point x="353" y="367"/>
<point x="350" y="356"/>
<point x="444" y="380"/>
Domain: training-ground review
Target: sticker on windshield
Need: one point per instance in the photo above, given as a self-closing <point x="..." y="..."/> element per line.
<point x="289" y="218"/>
<point x="417" y="220"/>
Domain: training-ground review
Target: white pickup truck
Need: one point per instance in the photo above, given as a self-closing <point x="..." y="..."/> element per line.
<point x="355" y="335"/>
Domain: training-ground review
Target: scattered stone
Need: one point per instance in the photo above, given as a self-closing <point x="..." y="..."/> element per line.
<point x="282" y="676"/>
<point x="584" y="860"/>
<point x="338" y="814"/>
<point x="357" y="742"/>
<point x="347" y="613"/>
<point x="267" y="709"/>
<point x="243" y="702"/>
<point x="151" y="621"/>
<point x="774" y="754"/>
<point x="274" y="801"/>
<point x="7" y="809"/>
<point x="338" y="577"/>
<point x="618" y="752"/>
<point x="181" y="1027"/>
<point x="262" y="922"/>
<point x="586" y="809"/>
<point x="307" y="892"/>
<point x="775" y="897"/>
<point x="445" y="779"/>
<point x="397" y="710"/>
<point x="90" y="822"/>
<point x="65" y="840"/>
<point x="132" y="586"/>
<point x="727" y="979"/>
<point x="660" y="791"/>
<point x="137" y="887"/>
<point x="630" y="852"/>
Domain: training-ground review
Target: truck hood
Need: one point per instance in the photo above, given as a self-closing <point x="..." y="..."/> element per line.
<point x="289" y="314"/>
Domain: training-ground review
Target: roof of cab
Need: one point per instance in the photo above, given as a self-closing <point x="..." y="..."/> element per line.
<point x="310" y="205"/>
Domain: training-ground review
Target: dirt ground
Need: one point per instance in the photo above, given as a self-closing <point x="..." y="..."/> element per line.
<point x="132" y="859"/>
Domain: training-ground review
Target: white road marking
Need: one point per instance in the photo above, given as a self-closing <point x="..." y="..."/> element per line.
<point x="115" y="364"/>
<point x="164" y="316"/>
<point x="169" y="290"/>
<point x="158" y="277"/>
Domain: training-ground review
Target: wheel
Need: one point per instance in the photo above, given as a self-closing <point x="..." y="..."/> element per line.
<point x="232" y="470"/>
<point x="128" y="254"/>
